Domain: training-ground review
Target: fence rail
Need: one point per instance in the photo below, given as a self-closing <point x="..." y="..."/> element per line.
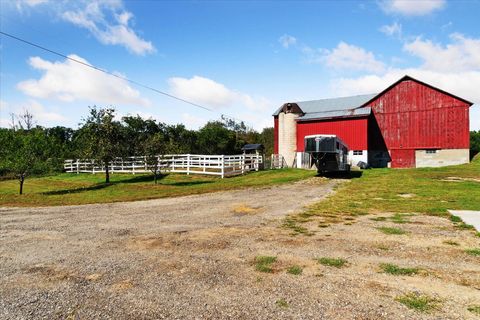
<point x="219" y="165"/>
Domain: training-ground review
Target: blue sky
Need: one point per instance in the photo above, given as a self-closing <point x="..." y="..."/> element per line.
<point x="241" y="58"/>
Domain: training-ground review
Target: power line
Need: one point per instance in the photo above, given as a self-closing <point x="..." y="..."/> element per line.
<point x="114" y="75"/>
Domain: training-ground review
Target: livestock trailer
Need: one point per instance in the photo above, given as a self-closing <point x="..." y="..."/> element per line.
<point x="328" y="152"/>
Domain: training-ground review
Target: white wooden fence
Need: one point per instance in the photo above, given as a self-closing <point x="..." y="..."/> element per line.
<point x="219" y="165"/>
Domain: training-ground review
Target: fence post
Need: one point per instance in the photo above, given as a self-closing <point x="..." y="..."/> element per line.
<point x="133" y="165"/>
<point x="173" y="163"/>
<point x="204" y="163"/>
<point x="78" y="168"/>
<point x="222" y="164"/>
<point x="242" y="162"/>
<point x="188" y="164"/>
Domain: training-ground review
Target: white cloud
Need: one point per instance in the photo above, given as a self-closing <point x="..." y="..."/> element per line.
<point x="411" y="7"/>
<point x="193" y="122"/>
<point x="69" y="81"/>
<point x="287" y="40"/>
<point x="463" y="54"/>
<point x="109" y="22"/>
<point x="345" y="56"/>
<point x="393" y="30"/>
<point x="207" y="92"/>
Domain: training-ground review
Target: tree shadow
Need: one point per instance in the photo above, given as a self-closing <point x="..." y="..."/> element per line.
<point x="77" y="190"/>
<point x="135" y="179"/>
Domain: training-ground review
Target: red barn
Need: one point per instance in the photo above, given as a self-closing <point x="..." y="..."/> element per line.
<point x="409" y="124"/>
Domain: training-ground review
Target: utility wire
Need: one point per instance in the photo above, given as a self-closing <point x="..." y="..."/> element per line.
<point x="113" y="74"/>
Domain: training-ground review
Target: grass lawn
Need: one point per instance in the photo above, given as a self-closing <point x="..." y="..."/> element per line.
<point x="400" y="192"/>
<point x="70" y="188"/>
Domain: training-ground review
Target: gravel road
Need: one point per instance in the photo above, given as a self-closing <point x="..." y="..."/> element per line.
<point x="193" y="258"/>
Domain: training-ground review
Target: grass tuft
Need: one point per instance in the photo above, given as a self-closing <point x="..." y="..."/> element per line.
<point x="475" y="309"/>
<point x="282" y="303"/>
<point x="390" y="230"/>
<point x="264" y="263"/>
<point x="455" y="219"/>
<point x="473" y="252"/>
<point x="379" y="218"/>
<point x="398" y="271"/>
<point x="419" y="302"/>
<point x="451" y="242"/>
<point x="292" y="224"/>
<point x="332" y="262"/>
<point x="295" y="270"/>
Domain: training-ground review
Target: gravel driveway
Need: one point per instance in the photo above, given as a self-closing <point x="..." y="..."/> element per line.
<point x="193" y="258"/>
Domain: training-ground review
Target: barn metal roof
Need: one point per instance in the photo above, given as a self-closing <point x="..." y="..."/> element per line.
<point x="336" y="114"/>
<point x="344" y="104"/>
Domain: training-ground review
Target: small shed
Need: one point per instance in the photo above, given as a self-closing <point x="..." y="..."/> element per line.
<point x="255" y="149"/>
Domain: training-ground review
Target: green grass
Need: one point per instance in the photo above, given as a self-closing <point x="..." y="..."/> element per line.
<point x="70" y="188"/>
<point x="455" y="219"/>
<point x="398" y="271"/>
<point x="419" y="302"/>
<point x="295" y="270"/>
<point x="475" y="309"/>
<point x="264" y="263"/>
<point x="295" y="227"/>
<point x="332" y="262"/>
<point x="473" y="252"/>
<point x="377" y="191"/>
<point x="390" y="230"/>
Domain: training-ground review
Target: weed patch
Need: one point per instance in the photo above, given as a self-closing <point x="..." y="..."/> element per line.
<point x="473" y="252"/>
<point x="475" y="309"/>
<point x="264" y="263"/>
<point x="451" y="243"/>
<point x="332" y="262"/>
<point x="282" y="303"/>
<point x="292" y="224"/>
<point x="295" y="270"/>
<point x="398" y="271"/>
<point x="419" y="302"/>
<point x="390" y="230"/>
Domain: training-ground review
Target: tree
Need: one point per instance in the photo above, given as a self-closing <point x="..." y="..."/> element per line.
<point x="154" y="148"/>
<point x="25" y="153"/>
<point x="101" y="138"/>
<point x="214" y="138"/>
<point x="474" y="143"/>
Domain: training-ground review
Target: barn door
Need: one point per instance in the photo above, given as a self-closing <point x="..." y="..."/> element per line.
<point x="403" y="158"/>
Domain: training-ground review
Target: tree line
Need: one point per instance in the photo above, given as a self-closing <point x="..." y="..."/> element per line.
<point x="29" y="149"/>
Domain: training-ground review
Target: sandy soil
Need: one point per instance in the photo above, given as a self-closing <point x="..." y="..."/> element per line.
<point x="193" y="258"/>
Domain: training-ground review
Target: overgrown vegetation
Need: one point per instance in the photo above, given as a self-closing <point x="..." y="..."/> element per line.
<point x="332" y="262"/>
<point x="264" y="263"/>
<point x="419" y="302"/>
<point x="393" y="269"/>
<point x="69" y="188"/>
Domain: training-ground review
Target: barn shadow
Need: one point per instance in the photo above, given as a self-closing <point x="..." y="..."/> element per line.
<point x="341" y="175"/>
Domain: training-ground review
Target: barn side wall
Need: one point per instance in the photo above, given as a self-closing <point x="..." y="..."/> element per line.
<point x="413" y="116"/>
<point x="352" y="131"/>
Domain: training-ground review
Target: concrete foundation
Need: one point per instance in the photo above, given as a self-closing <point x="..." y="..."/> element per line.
<point x="441" y="157"/>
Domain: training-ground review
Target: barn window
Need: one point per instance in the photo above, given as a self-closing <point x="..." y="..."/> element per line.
<point x="357" y="152"/>
<point x="430" y="151"/>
